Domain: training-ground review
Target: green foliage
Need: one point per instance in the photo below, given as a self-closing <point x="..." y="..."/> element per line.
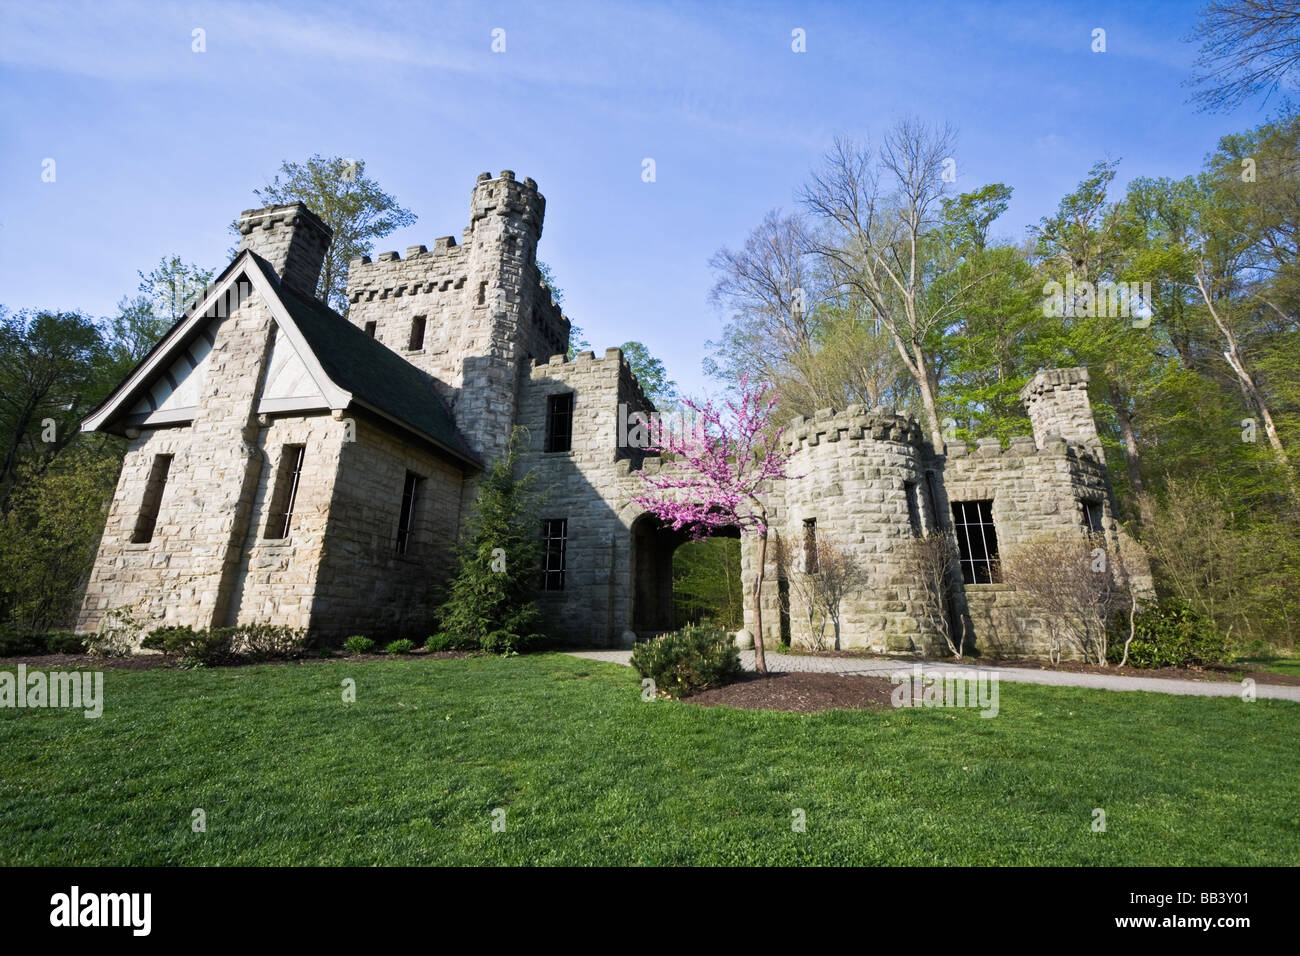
<point x="1171" y="634"/>
<point x="650" y="373"/>
<point x="506" y="642"/>
<point x="358" y="644"/>
<point x="445" y="641"/>
<point x="262" y="642"/>
<point x="120" y="628"/>
<point x="498" y="561"/>
<point x="686" y="661"/>
<point x="401" y="646"/>
<point x="17" y="643"/>
<point x="349" y="202"/>
<point x="706" y="584"/>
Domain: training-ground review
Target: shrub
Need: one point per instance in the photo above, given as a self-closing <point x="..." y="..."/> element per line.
<point x="17" y="643"/>
<point x="198" y="648"/>
<point x="119" y="630"/>
<point x="689" y="660"/>
<point x="402" y="646"/>
<point x="261" y="642"/>
<point x="508" y="642"/>
<point x="169" y="640"/>
<point x="1171" y="634"/>
<point x="65" y="642"/>
<point x="356" y="644"/>
<point x="447" y="641"/>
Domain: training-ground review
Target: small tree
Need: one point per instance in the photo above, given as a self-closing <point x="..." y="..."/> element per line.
<point x="1076" y="582"/>
<point x="929" y="559"/>
<point x="821" y="590"/>
<point x="497" y="562"/>
<point x="717" y="475"/>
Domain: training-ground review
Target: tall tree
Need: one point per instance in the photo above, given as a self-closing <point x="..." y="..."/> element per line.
<point x="880" y="212"/>
<point x="350" y="202"/>
<point x="650" y="372"/>
<point x="162" y="297"/>
<point x="1248" y="47"/>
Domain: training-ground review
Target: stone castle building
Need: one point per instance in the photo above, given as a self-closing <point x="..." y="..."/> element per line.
<point x="291" y="466"/>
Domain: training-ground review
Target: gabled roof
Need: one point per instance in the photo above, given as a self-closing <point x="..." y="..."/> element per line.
<point x="350" y="368"/>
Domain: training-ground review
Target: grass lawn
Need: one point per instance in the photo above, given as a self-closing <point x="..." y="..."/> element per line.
<point x="588" y="773"/>
<point x="1278" y="665"/>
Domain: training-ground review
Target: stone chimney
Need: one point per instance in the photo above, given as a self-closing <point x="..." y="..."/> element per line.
<point x="292" y="238"/>
<point x="1057" y="402"/>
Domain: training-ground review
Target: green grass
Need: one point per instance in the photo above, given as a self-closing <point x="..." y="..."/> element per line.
<point x="1278" y="665"/>
<point x="588" y="773"/>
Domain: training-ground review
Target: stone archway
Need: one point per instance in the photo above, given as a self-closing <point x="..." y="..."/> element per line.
<point x="653" y="544"/>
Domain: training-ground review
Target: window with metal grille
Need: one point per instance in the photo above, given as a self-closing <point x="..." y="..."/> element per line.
<point x="1091" y="516"/>
<point x="555" y="538"/>
<point x="147" y="520"/>
<point x="912" y="492"/>
<point x="406" y="517"/>
<point x="810" y="545"/>
<point x="285" y="492"/>
<point x="417" y="334"/>
<point x="559" y="422"/>
<point x="977" y="541"/>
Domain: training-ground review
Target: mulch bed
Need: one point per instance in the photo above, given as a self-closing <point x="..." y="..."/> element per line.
<point x="806" y="693"/>
<point x="1220" y="672"/>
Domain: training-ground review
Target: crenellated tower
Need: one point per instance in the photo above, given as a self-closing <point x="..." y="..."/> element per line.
<point x="474" y="315"/>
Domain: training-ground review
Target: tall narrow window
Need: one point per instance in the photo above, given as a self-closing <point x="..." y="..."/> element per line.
<point x="977" y="541"/>
<point x="285" y="492"/>
<point x="153" y="494"/>
<point x="810" y="545"/>
<point x="417" y="334"/>
<point x="406" y="517"/>
<point x="559" y="422"/>
<point x="912" y="492"/>
<point x="482" y="293"/>
<point x="555" y="538"/>
<point x="370" y="329"/>
<point x="932" y="501"/>
<point x="1091" y="516"/>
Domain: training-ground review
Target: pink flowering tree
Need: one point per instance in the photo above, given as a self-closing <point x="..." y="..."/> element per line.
<point x="714" y="476"/>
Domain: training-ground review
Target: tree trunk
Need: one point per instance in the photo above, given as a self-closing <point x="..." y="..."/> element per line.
<point x="1132" y="455"/>
<point x="760" y="664"/>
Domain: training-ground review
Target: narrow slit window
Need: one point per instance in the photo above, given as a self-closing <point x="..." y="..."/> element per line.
<point x="417" y="334"/>
<point x="370" y="328"/>
<point x="913" y="492"/>
<point x="555" y="538"/>
<point x="153" y="495"/>
<point x="1092" y="520"/>
<point x="977" y="541"/>
<point x="810" y="564"/>
<point x="559" y="422"/>
<point x="406" y="517"/>
<point x="482" y="293"/>
<point x="284" y="495"/>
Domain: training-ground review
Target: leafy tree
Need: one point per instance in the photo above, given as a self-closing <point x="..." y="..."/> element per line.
<point x="50" y="534"/>
<point x="717" y="476"/>
<point x="650" y="372"/>
<point x="52" y="371"/>
<point x="162" y="298"/>
<point x="498" y="561"/>
<point x="351" y="203"/>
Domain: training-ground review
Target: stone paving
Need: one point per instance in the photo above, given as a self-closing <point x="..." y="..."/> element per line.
<point x="786" y="663"/>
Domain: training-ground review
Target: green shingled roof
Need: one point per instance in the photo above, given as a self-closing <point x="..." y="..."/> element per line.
<point x="374" y="374"/>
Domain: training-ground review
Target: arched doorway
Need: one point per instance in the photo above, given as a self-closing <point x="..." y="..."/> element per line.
<point x="653" y="546"/>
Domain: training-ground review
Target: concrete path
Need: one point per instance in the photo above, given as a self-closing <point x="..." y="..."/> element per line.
<point x="779" y="663"/>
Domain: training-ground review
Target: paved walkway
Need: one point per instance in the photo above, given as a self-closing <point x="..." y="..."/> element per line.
<point x="778" y="663"/>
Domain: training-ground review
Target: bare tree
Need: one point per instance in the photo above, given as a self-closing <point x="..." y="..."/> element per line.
<point x="882" y="211"/>
<point x="1076" y="582"/>
<point x="930" y="561"/>
<point x="820" y="590"/>
<point x="1247" y="47"/>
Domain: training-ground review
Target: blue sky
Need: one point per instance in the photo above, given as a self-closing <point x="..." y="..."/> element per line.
<point x="158" y="147"/>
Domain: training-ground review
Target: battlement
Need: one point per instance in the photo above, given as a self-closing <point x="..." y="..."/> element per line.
<point x="854" y="423"/>
<point x="507" y="196"/>
<point x="1020" y="446"/>
<point x="1057" y="402"/>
